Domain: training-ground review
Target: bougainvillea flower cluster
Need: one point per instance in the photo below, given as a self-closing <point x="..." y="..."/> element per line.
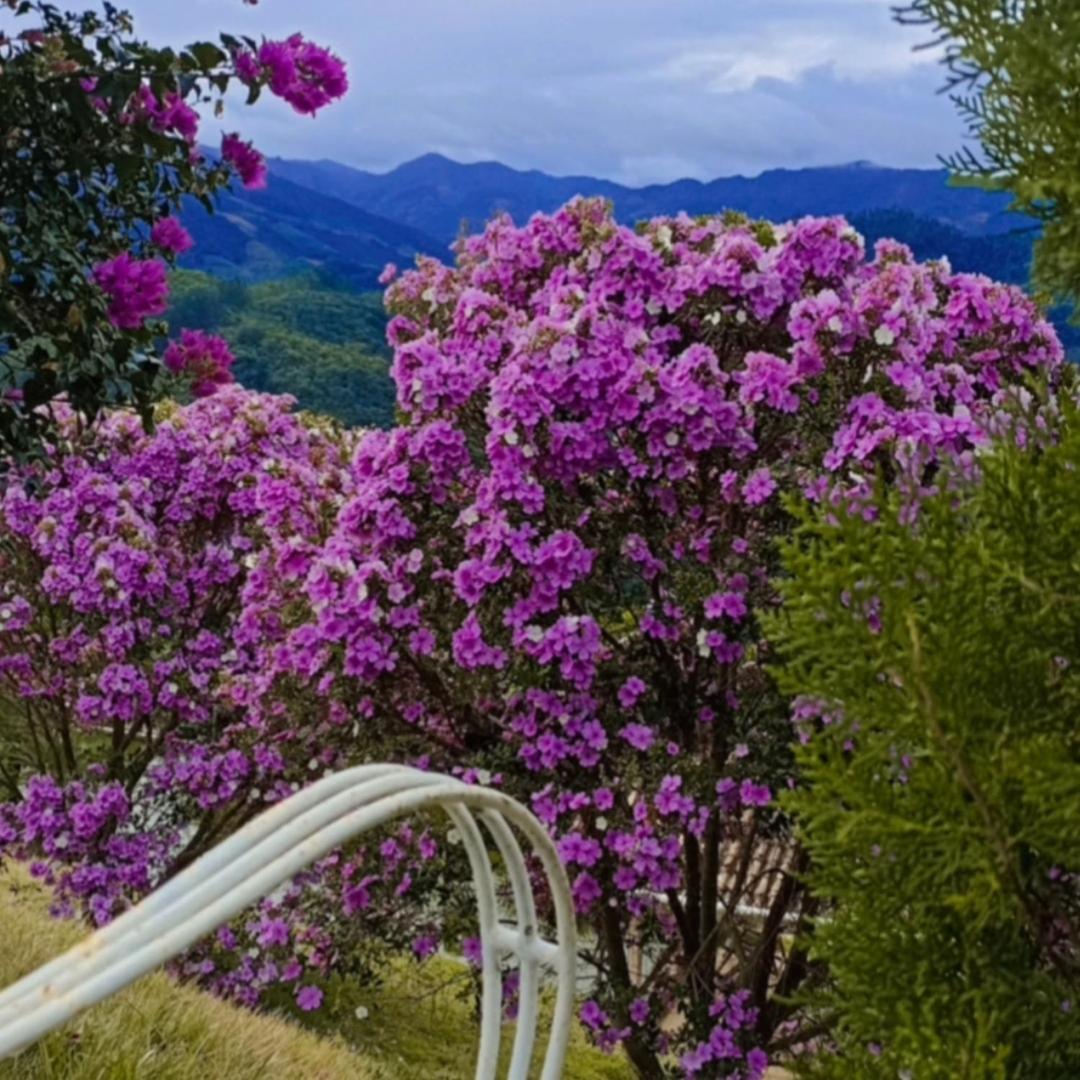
<point x="300" y="72"/>
<point x="137" y="289"/>
<point x="249" y="164"/>
<point x="204" y="358"/>
<point x="547" y="578"/>
<point x="169" y="235"/>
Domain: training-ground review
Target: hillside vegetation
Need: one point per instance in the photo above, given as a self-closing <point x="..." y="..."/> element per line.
<point x="318" y="340"/>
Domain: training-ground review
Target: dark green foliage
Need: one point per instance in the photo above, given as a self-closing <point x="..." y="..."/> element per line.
<point x="304" y="336"/>
<point x="1014" y="69"/>
<point x="79" y="186"/>
<point x="941" y="809"/>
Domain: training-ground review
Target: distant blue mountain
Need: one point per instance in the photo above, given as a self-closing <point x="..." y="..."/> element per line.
<point x="437" y="196"/>
<point x="288" y="229"/>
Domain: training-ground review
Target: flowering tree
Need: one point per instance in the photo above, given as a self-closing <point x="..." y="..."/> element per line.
<point x="552" y="570"/>
<point x="123" y="568"/>
<point x="99" y="137"/>
<point x="548" y="577"/>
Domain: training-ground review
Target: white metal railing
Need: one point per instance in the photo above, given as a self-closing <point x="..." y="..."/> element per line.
<point x="283" y="840"/>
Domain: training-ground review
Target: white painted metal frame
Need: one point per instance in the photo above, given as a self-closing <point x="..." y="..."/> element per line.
<point x="273" y="847"/>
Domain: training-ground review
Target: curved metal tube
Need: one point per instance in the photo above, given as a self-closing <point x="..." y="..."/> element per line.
<point x="271" y="849"/>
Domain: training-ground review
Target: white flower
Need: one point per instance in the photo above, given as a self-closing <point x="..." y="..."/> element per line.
<point x="483" y="776"/>
<point x="601" y="823"/>
<point x="453" y="837"/>
<point x="672" y="438"/>
<point x="512" y="438"/>
<point x="884" y="336"/>
<point x="470" y="516"/>
<point x="361" y="1013"/>
<point x="664" y="235"/>
<point x="740" y="316"/>
<point x="703" y="643"/>
<point x="836" y="324"/>
<point x="534" y="633"/>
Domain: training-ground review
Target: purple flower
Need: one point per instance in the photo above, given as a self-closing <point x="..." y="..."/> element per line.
<point x="757" y="1061"/>
<point x="758" y="487"/>
<point x="424" y="946"/>
<point x="309" y="998"/>
<point x="204" y="358"/>
<point x="630" y="691"/>
<point x="592" y="1016"/>
<point x="306" y="75"/>
<point x="754" y="794"/>
<point x="473" y="952"/>
<point x="249" y="164"/>
<point x="169" y="235"/>
<point x="137" y="289"/>
<point x="639" y="736"/>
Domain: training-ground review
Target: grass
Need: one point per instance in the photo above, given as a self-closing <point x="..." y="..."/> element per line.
<point x="419" y="1024"/>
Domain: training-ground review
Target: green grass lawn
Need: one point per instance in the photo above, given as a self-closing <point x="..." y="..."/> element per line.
<point x="418" y="1024"/>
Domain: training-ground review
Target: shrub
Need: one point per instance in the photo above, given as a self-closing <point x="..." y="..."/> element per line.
<point x="940" y="767"/>
<point x="100" y="147"/>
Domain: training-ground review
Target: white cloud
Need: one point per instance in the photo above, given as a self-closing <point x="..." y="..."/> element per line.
<point x="779" y="51"/>
<point x="637" y="90"/>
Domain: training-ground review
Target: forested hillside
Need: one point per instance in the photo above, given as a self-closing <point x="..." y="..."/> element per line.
<point x="308" y="336"/>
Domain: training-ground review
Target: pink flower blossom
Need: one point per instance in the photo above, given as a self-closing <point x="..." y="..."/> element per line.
<point x="204" y="358"/>
<point x="169" y="235"/>
<point x="249" y="164"/>
<point x="137" y="289"/>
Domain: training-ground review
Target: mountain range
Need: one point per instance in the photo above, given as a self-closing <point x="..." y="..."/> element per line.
<point x="348" y="223"/>
<point x="437" y="195"/>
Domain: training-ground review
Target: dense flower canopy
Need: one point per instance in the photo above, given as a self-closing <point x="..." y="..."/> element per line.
<point x="547" y="577"/>
<point x="551" y="569"/>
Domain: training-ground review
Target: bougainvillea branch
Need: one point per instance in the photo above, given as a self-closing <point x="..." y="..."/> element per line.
<point x="99" y="133"/>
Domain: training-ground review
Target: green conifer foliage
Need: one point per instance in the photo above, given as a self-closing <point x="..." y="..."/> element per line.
<point x="938" y="666"/>
<point x="1014" y="75"/>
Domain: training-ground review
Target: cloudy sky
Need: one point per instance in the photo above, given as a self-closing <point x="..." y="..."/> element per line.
<point x="636" y="90"/>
